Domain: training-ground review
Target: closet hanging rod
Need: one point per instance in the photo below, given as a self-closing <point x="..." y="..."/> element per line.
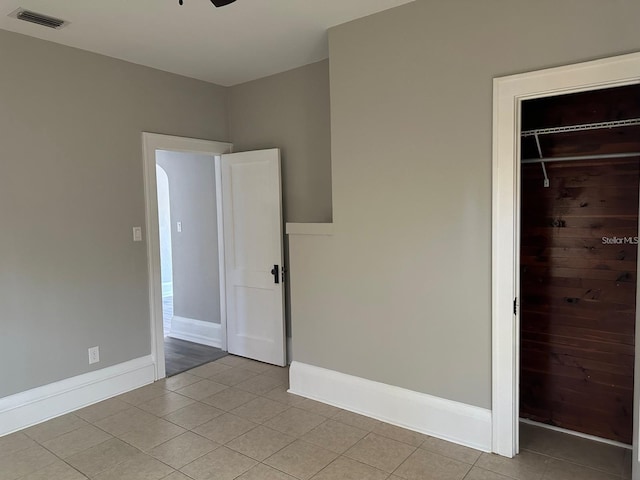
<point x="582" y="157"/>
<point x="632" y="122"/>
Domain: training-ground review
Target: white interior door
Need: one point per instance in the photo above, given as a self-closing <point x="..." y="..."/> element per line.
<point x="252" y="219"/>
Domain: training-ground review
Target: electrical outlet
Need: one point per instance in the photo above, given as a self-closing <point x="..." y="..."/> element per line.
<point x="94" y="355"/>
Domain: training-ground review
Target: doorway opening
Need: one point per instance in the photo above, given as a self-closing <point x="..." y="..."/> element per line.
<point x="189" y="259"/>
<point x="509" y="95"/>
<point x="170" y="287"/>
<point x="245" y="192"/>
<point x="579" y="189"/>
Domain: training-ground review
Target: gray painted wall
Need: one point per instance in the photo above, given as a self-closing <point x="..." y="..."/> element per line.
<point x="192" y="193"/>
<point x="290" y="111"/>
<point x="401" y="292"/>
<point x="71" y="189"/>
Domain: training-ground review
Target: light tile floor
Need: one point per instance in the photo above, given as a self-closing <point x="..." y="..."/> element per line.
<point x="234" y="419"/>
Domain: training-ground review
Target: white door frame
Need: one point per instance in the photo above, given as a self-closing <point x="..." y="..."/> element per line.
<point x="150" y="143"/>
<point x="508" y="94"/>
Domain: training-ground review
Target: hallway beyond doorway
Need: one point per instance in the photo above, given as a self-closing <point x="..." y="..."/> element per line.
<point x="181" y="355"/>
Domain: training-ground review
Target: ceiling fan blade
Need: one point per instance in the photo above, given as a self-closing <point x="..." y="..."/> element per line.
<point x="222" y="3"/>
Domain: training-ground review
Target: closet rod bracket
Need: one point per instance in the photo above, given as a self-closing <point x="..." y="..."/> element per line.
<point x="546" y="178"/>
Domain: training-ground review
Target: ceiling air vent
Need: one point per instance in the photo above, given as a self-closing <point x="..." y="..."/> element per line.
<point x="38" y="18"/>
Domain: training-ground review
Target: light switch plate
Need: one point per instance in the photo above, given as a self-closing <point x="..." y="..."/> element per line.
<point x="137" y="234"/>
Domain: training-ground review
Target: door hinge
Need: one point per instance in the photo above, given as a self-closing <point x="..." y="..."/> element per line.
<point x="515" y="306"/>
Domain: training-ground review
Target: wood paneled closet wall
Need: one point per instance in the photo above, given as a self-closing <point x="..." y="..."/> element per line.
<point x="578" y="261"/>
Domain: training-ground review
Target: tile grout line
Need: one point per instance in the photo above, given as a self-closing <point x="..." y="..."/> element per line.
<point x="62" y="459"/>
<point x="139" y="450"/>
<point x="55" y="418"/>
<point x="473" y="465"/>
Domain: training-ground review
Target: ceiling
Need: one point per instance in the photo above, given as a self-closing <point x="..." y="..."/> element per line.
<point x="229" y="45"/>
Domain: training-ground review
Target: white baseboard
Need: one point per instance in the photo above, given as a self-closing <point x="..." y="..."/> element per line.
<point x="453" y="421"/>
<point x="196" y="331"/>
<point x="43" y="403"/>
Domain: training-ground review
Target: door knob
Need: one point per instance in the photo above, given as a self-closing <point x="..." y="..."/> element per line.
<point x="275" y="271"/>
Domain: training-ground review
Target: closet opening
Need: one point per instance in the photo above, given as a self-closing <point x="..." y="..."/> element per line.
<point x="580" y="184"/>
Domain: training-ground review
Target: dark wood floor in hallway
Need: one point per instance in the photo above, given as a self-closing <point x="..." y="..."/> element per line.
<point x="181" y="356"/>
